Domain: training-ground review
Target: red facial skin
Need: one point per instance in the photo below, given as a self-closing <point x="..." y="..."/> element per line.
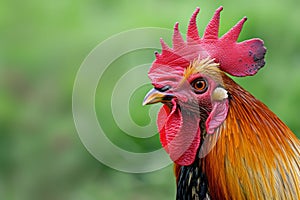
<point x="179" y="121"/>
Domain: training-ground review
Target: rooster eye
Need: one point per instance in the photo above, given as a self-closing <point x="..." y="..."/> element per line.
<point x="199" y="85"/>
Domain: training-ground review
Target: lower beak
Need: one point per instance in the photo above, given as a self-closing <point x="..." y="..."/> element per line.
<point x="155" y="96"/>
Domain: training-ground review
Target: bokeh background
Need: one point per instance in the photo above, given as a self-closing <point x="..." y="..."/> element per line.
<point x="42" y="45"/>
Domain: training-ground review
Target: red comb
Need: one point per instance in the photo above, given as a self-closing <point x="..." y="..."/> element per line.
<point x="235" y="58"/>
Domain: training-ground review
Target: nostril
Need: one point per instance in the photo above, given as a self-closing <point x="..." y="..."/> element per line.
<point x="163" y="89"/>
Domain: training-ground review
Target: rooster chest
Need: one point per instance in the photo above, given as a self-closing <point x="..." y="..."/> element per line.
<point x="192" y="183"/>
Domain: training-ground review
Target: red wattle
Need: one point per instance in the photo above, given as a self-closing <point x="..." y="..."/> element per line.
<point x="179" y="134"/>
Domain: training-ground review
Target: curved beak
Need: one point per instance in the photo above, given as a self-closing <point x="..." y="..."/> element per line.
<point x="155" y="96"/>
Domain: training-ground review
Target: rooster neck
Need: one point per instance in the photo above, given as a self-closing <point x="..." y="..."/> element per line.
<point x="256" y="155"/>
<point x="192" y="182"/>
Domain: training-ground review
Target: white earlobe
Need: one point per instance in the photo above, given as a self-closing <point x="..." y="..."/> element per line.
<point x="219" y="94"/>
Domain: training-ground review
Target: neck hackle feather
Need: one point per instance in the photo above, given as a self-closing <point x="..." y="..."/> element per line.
<point x="256" y="155"/>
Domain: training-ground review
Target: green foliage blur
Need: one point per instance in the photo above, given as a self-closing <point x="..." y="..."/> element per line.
<point x="42" y="45"/>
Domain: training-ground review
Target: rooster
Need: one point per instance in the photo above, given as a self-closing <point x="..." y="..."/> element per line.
<point x="225" y="143"/>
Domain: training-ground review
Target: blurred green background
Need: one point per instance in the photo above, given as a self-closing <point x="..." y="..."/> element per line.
<point x="42" y="45"/>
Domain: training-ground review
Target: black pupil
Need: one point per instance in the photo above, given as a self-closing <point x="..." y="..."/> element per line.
<point x="199" y="84"/>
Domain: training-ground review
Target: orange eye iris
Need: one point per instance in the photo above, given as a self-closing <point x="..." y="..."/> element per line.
<point x="199" y="85"/>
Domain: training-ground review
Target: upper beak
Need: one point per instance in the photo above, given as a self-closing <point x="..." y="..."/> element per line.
<point x="155" y="96"/>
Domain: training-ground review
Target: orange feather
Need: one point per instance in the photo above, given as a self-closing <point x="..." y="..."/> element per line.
<point x="256" y="155"/>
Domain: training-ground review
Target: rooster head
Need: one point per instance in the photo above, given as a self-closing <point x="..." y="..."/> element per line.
<point x="188" y="80"/>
